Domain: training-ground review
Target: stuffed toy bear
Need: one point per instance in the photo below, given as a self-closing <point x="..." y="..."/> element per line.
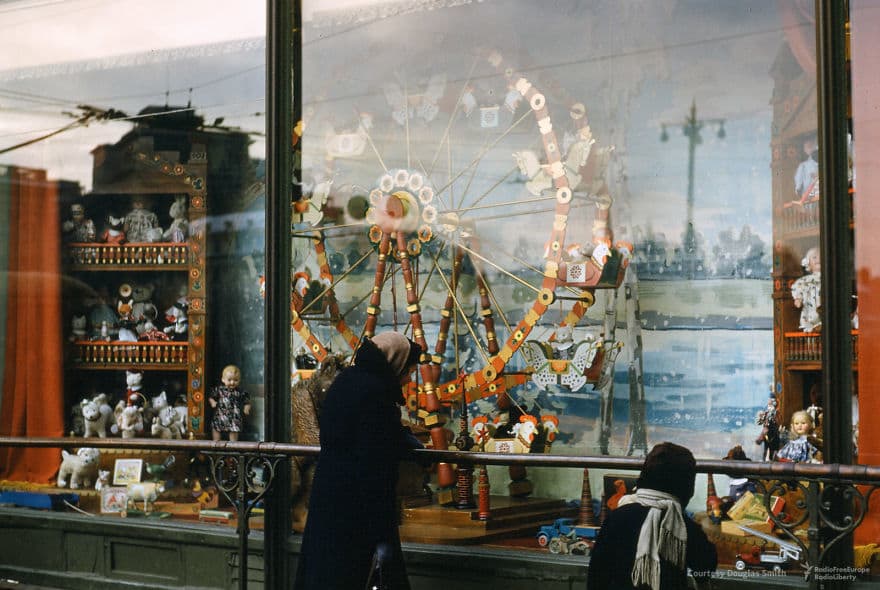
<point x="81" y="468"/>
<point x="142" y="309"/>
<point x="179" y="228"/>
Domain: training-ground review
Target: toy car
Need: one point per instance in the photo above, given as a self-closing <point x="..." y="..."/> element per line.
<point x="564" y="536"/>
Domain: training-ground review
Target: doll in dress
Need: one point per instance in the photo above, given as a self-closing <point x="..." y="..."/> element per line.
<point x="230" y="405"/>
<point x="806" y="292"/>
<point x="140" y="221"/>
<point x="800" y="449"/>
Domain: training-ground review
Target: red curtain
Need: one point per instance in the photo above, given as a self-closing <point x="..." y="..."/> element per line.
<point x="33" y="400"/>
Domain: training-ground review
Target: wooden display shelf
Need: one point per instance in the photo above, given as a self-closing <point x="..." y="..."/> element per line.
<point x="509" y="517"/>
<point x="146" y="256"/>
<point x="804" y="349"/>
<point x="117" y="354"/>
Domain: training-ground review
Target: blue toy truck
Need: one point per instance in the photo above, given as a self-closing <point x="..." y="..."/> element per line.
<point x="564" y="536"/>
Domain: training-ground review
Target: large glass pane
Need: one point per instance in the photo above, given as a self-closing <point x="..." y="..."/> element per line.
<point x="132" y="145"/>
<point x="609" y="212"/>
<point x="865" y="24"/>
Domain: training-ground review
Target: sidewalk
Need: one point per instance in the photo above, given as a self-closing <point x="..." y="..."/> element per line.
<point x="14" y="585"/>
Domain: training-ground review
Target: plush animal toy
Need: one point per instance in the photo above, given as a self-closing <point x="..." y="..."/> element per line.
<point x="81" y="468"/>
<point x="125" y="310"/>
<point x="96" y="414"/>
<point x="177" y="317"/>
<point x="179" y="228"/>
<point x="103" y="479"/>
<point x="134" y="395"/>
<point x="130" y="421"/>
<point x="78" y="328"/>
<point x="114" y="234"/>
<point x="142" y="308"/>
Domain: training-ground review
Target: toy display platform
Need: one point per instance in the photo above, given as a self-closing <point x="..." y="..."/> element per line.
<point x="509" y="517"/>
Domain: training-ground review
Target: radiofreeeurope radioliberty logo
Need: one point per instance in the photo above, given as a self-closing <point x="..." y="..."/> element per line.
<point x="827" y="573"/>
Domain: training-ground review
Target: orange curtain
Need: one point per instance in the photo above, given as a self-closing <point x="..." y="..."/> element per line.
<point x="33" y="399"/>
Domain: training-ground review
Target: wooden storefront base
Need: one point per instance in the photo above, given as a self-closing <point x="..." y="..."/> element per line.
<point x="453" y="526"/>
<point x="75" y="552"/>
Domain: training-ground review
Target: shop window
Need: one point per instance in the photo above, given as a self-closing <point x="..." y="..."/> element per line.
<point x="133" y="191"/>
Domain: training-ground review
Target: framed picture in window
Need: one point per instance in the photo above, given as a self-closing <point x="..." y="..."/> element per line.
<point x="113" y="499"/>
<point x="615" y="487"/>
<point x="127" y="471"/>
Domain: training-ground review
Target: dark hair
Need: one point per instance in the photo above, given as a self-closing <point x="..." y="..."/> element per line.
<point x="669" y="468"/>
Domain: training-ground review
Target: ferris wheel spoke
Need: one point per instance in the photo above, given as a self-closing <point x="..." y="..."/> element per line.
<point x="463" y="315"/>
<point x="445" y="137"/>
<point x="500" y="269"/>
<point x="372" y="145"/>
<point x="483" y="153"/>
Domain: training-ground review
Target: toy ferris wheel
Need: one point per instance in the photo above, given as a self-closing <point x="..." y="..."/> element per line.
<point x="425" y="241"/>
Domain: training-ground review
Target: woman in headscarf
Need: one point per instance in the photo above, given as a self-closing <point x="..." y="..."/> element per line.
<point x="648" y="541"/>
<point x="353" y="506"/>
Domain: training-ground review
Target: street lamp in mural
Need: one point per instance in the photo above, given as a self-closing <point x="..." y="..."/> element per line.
<point x="690" y="252"/>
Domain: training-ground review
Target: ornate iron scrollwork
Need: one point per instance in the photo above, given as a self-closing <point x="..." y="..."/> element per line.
<point x="832" y="510"/>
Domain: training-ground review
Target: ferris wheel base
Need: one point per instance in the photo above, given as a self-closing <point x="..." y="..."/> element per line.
<point x="509" y="518"/>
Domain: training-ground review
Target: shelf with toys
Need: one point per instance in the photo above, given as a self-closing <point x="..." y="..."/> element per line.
<point x="797" y="266"/>
<point x="134" y="252"/>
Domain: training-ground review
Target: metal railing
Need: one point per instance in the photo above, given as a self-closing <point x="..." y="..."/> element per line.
<point x="835" y="497"/>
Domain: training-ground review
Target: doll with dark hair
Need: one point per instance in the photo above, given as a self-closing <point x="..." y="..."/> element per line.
<point x="649" y="541"/>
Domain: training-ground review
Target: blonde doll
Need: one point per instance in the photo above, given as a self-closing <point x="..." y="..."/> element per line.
<point x="800" y="449"/>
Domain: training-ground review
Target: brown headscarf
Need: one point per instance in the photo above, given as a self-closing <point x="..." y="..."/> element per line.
<point x="399" y="351"/>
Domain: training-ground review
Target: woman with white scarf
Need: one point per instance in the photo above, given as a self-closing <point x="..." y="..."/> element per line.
<point x="648" y="541"/>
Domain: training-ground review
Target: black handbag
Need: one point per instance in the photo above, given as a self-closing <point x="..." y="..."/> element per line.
<point x="375" y="579"/>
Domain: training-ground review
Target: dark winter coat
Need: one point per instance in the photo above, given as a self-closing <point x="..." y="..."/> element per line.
<point x="612" y="558"/>
<point x="353" y="505"/>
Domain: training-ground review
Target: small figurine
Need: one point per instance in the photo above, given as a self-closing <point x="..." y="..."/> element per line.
<point x="800" y="449"/>
<point x="150" y="333"/>
<point x="178" y="231"/>
<point x="769" y="421"/>
<point x="103" y="480"/>
<point x="102" y="318"/>
<point x="134" y="395"/>
<point x="80" y="468"/>
<point x="125" y="310"/>
<point x="78" y="228"/>
<point x="129" y="420"/>
<point x="815" y="410"/>
<point x="806" y="292"/>
<point x="96" y="415"/>
<point x="230" y="404"/>
<point x="480" y="432"/>
<point x="176" y="316"/>
<point x="806" y="177"/>
<point x="562" y="343"/>
<point x="114" y="234"/>
<point x="78" y="328"/>
<point x="140" y="220"/>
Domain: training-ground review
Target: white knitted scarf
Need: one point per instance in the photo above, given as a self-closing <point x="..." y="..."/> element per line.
<point x="663" y="535"/>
